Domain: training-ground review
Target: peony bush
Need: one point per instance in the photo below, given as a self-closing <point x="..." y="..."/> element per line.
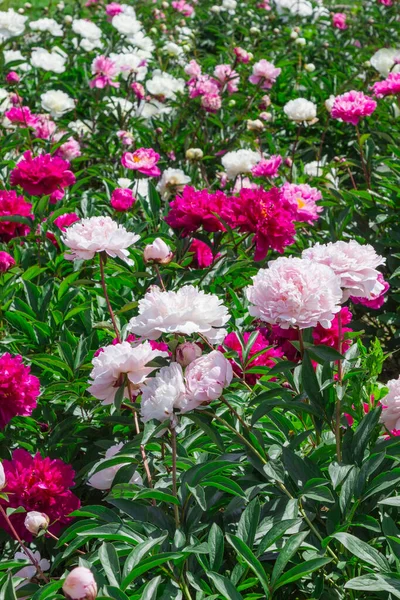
<point x="199" y="300"/>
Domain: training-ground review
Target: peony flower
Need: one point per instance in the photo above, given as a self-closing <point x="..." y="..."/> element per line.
<point x="227" y="78"/>
<point x="105" y="71"/>
<point x="45" y="128"/>
<point x="301" y="200"/>
<point x="295" y="292"/>
<point x="183" y="7"/>
<point x="376" y="302"/>
<point x="69" y="150"/>
<point x="35" y="521"/>
<point x="239" y="162"/>
<point x="19" y="390"/>
<point x="57" y="103"/>
<point x="267" y="167"/>
<point x="385" y="61"/>
<point x="186" y="311"/>
<point x="203" y="256"/>
<point x="113" y="9"/>
<point x="48" y="61"/>
<point x="158" y="252"/>
<point x="11" y="24"/>
<point x="47" y="25"/>
<point x="122" y="199"/>
<point x="260" y="345"/>
<point x="65" y="220"/>
<point x="13" y="205"/>
<point x="42" y="175"/>
<point x="353" y="263"/>
<point x="13" y="77"/>
<point x="260" y="212"/>
<point x="187" y="353"/>
<point x="138" y="90"/>
<point x="127" y="25"/>
<point x="301" y="110"/>
<point x="388" y="87"/>
<point x="198" y="208"/>
<point x="87" y="29"/>
<point x="98" y="234"/>
<point x="339" y="20"/>
<point x="16" y="55"/>
<point x="21" y="116"/>
<point x="330" y="336"/>
<point x="206" y="377"/>
<point x="172" y="181"/>
<point x="164" y="86"/>
<point x="211" y="102"/>
<point x="163" y="393"/>
<point x="143" y="160"/>
<point x="351" y="106"/>
<point x="390" y="416"/>
<point x="103" y="480"/>
<point x="6" y="261"/>
<point x="80" y="584"/>
<point x="193" y="69"/>
<point x="30" y="571"/>
<point x="242" y="56"/>
<point x="264" y="74"/>
<point x="115" y="363"/>
<point x="39" y="484"/>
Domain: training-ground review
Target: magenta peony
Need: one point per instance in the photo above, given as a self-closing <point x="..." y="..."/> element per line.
<point x="40" y="484"/>
<point x="65" y="220"/>
<point x="387" y="87"/>
<point x="19" y="389"/>
<point x="203" y="256"/>
<point x="22" y="116"/>
<point x="330" y="337"/>
<point x="143" y="160"/>
<point x="198" y="208"/>
<point x="376" y="301"/>
<point x="301" y="200"/>
<point x="267" y="167"/>
<point x="122" y="199"/>
<point x="352" y="106"/>
<point x="339" y="20"/>
<point x="261" y="212"/>
<point x="13" y="77"/>
<point x="6" y="261"/>
<point x="113" y="9"/>
<point x="42" y="175"/>
<point x="13" y="205"/>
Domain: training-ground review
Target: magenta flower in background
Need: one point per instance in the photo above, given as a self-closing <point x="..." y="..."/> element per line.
<point x="198" y="208"/>
<point x="19" y="390"/>
<point x="6" y="261"/>
<point x="105" y="70"/>
<point x="339" y="21"/>
<point x="265" y="73"/>
<point x="267" y="167"/>
<point x="122" y="199"/>
<point x="12" y="77"/>
<point x="113" y="9"/>
<point x="301" y="201"/>
<point x="138" y="90"/>
<point x="330" y="337"/>
<point x="352" y="106"/>
<point x="13" y="205"/>
<point x="183" y="7"/>
<point x="143" y="160"/>
<point x="386" y="2"/>
<point x="40" y="484"/>
<point x="242" y="56"/>
<point x="203" y="256"/>
<point x="22" y="116"/>
<point x="42" y="175"/>
<point x="65" y="220"/>
<point x="387" y="87"/>
<point x="377" y="300"/>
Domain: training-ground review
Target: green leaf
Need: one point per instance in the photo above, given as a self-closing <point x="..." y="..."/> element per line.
<point x="199" y="495"/>
<point x="275" y="533"/>
<point x="150" y="591"/>
<point x="363" y="550"/>
<point x="216" y="547"/>
<point x="310" y="382"/>
<point x="224" y="586"/>
<point x="227" y="485"/>
<point x="362" y="434"/>
<point x="376" y="582"/>
<point x="8" y="592"/>
<point x="250" y="559"/>
<point x="136" y="556"/>
<point x="248" y="523"/>
<point x="297" y="572"/>
<point x="287" y="552"/>
<point x="110" y="563"/>
<point x="151" y="563"/>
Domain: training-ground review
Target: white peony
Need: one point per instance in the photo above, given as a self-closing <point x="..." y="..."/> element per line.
<point x="229" y="6"/>
<point x="239" y="161"/>
<point x="98" y="234"/>
<point x="142" y="44"/>
<point x="103" y="480"/>
<point x="390" y="416"/>
<point x="187" y="311"/>
<point x="89" y="44"/>
<point x="128" y="63"/>
<point x="14" y="55"/>
<point x="2" y="477"/>
<point x="86" y="29"/>
<point x="81" y="128"/>
<point x="301" y="8"/>
<point x="116" y="361"/>
<point x="354" y="263"/>
<point x="164" y="85"/>
<point x="154" y="108"/>
<point x="5" y="102"/>
<point x="172" y="181"/>
<point x="57" y="103"/>
<point x="206" y="377"/>
<point x="116" y="105"/>
<point x="384" y="61"/>
<point x="49" y="25"/>
<point x="126" y="25"/>
<point x="173" y="49"/>
<point x="11" y="24"/>
<point x="163" y="393"/>
<point x="300" y="110"/>
<point x="49" y="61"/>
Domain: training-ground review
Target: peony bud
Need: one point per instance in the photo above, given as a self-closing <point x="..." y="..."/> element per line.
<point x="138" y="90"/>
<point x="80" y="584"/>
<point x="35" y="521"/>
<point x="68" y="19"/>
<point x="187" y="353"/>
<point x="310" y="67"/>
<point x="6" y="261"/>
<point x="256" y="125"/>
<point x="301" y="41"/>
<point x="2" y="477"/>
<point x="194" y="154"/>
<point x="122" y="199"/>
<point x="266" y="116"/>
<point x="294" y="35"/>
<point x="255" y="30"/>
<point x="158" y="252"/>
<point x="21" y="11"/>
<point x="12" y="77"/>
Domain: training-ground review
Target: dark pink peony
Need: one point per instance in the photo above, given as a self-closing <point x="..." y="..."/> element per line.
<point x="40" y="484"/>
<point x="376" y="302"/>
<point x="261" y="212"/>
<point x="19" y="390"/>
<point x="122" y="199"/>
<point x="267" y="167"/>
<point x="352" y="106"/>
<point x="330" y="337"/>
<point x="203" y="256"/>
<point x="42" y="175"/>
<point x="6" y="261"/>
<point x="13" y="77"/>
<point x="198" y="208"/>
<point x="339" y="21"/>
<point x="300" y="199"/>
<point x="388" y="87"/>
<point x="65" y="220"/>
<point x="22" y="116"/>
<point x="13" y="205"/>
<point x="113" y="9"/>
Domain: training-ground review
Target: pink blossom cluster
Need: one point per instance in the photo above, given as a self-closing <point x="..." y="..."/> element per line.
<point x="388" y="87"/>
<point x="42" y="175"/>
<point x="113" y="9"/>
<point x="264" y="74"/>
<point x="242" y="56"/>
<point x="301" y="199"/>
<point x="211" y="88"/>
<point x="6" y="261"/>
<point x="13" y="205"/>
<point x="198" y="208"/>
<point x="267" y="167"/>
<point x="352" y="106"/>
<point x="202" y="255"/>
<point x="183" y="7"/>
<point x="19" y="389"/>
<point x="122" y="199"/>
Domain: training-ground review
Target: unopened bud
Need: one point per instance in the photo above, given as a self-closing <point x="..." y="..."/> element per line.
<point x="194" y="154"/>
<point x="158" y="252"/>
<point x="80" y="584"/>
<point x="187" y="353"/>
<point x="35" y="521"/>
<point x="255" y="125"/>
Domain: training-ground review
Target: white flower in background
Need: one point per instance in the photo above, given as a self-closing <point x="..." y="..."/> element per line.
<point x="30" y="570"/>
<point x="158" y="252"/>
<point x="124" y="182"/>
<point x="81" y="128"/>
<point x="329" y="102"/>
<point x="164" y="85"/>
<point x="5" y="102"/>
<point x="89" y="45"/>
<point x="2" y="477"/>
<point x="114" y="362"/>
<point x="301" y="8"/>
<point x="103" y="480"/>
<point x="49" y="25"/>
<point x="390" y="416"/>
<point x="141" y="188"/>
<point x="128" y="63"/>
<point x="239" y="161"/>
<point x="98" y="234"/>
<point x="57" y="103"/>
<point x="11" y="24"/>
<point x="154" y="108"/>
<point x="35" y="521"/>
<point x="128" y="10"/>
<point x="186" y="311"/>
<point x="142" y="44"/>
<point x="354" y="263"/>
<point x="115" y="103"/>
<point x="316" y="169"/>
<point x="173" y="49"/>
<point x="163" y="393"/>
<point x="384" y="61"/>
<point x="48" y="61"/>
<point x="126" y="25"/>
<point x="229" y="6"/>
<point x="300" y="110"/>
<point x="13" y="55"/>
<point x="206" y="377"/>
<point x="86" y="29"/>
<point x="172" y="181"/>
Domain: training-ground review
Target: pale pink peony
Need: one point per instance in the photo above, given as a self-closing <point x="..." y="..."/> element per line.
<point x="186" y="311"/>
<point x="227" y="77"/>
<point x="390" y="416"/>
<point x="122" y="199"/>
<point x="339" y="21"/>
<point x="265" y="74"/>
<point x="267" y="167"/>
<point x="242" y="56"/>
<point x="355" y="264"/>
<point x="193" y="69"/>
<point x="301" y="200"/>
<point x="376" y="301"/>
<point x="162" y="394"/>
<point x="35" y="521"/>
<point x="117" y="361"/>
<point x="206" y="377"/>
<point x="183" y="7"/>
<point x="98" y="234"/>
<point x="69" y="150"/>
<point x="44" y="127"/>
<point x="143" y="160"/>
<point x="80" y="584"/>
<point x="6" y="261"/>
<point x="105" y="71"/>
<point x="211" y="102"/>
<point x="103" y="479"/>
<point x="294" y="292"/>
<point x="158" y="252"/>
<point x="352" y="106"/>
<point x="126" y="137"/>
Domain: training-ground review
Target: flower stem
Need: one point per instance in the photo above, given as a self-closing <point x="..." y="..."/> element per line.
<point x="142" y="449"/>
<point x="157" y="269"/>
<point x="174" y="485"/>
<point x="338" y="410"/>
<point x="363" y="161"/>
<point x="107" y="299"/>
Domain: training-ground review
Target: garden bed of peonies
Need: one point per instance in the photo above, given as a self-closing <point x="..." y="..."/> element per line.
<point x="199" y="300"/>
